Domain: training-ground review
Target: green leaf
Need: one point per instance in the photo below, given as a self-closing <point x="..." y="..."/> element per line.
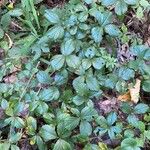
<point x="108" y="2"/>
<point x="133" y="120"/>
<point x="15" y="12"/>
<point x="56" y="32"/>
<point x="73" y="61"/>
<point x="140" y="12"/>
<point x="83" y="16"/>
<point x="87" y="113"/>
<point x="90" y="52"/>
<point x="138" y="50"/>
<point x="61" y="77"/>
<point x="5" y="21"/>
<point x="48" y="132"/>
<point x="129" y="143"/>
<point x="98" y="63"/>
<point x="111" y="81"/>
<point x="129" y="133"/>
<point x="57" y="62"/>
<point x="62" y="131"/>
<point x="85" y="128"/>
<point x="86" y="64"/>
<point x="112" y="30"/>
<point x="18" y="122"/>
<point x="32" y="125"/>
<point x="50" y="94"/>
<point x="92" y="83"/>
<point x="88" y="1"/>
<point x="120" y="7"/>
<point x="14" y="147"/>
<point x="71" y="123"/>
<point x="78" y="100"/>
<point x="126" y="73"/>
<point x="147" y="134"/>
<point x="51" y="16"/>
<point x="4" y="104"/>
<point x="146" y="85"/>
<point x="97" y="34"/>
<point x="14" y="138"/>
<point x="93" y="147"/>
<point x="111" y="118"/>
<point x="42" y="108"/>
<point x="147" y="54"/>
<point x="80" y="86"/>
<point x="62" y="145"/>
<point x="43" y="77"/>
<point x="131" y="2"/>
<point x="141" y="108"/>
<point x="5" y="146"/>
<point x="67" y="47"/>
<point x="111" y="133"/>
<point x="41" y="145"/>
<point x="144" y="3"/>
<point x="1" y="33"/>
<point x="104" y="18"/>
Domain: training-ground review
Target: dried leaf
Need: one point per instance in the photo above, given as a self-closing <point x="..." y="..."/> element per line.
<point x="125" y="97"/>
<point x="9" y="40"/>
<point x="10" y="79"/>
<point x="133" y="93"/>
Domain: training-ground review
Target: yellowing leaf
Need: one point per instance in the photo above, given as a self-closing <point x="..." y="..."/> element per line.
<point x="102" y="146"/>
<point x="32" y="142"/>
<point x="11" y="6"/>
<point x="133" y="93"/>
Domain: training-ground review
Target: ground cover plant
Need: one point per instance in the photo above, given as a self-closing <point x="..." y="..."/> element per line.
<point x="75" y="75"/>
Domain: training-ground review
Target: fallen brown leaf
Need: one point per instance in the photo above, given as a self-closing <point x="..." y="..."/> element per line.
<point x="132" y="94"/>
<point x="125" y="97"/>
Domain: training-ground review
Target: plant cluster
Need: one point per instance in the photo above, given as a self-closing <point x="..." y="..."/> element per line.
<point x="57" y="63"/>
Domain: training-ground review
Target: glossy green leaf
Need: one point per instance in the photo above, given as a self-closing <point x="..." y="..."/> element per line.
<point x="141" y="108"/>
<point x="49" y="94"/>
<point x="57" y="62"/>
<point x="51" y="16"/>
<point x="120" y="7"/>
<point x="85" y="128"/>
<point x="98" y="63"/>
<point x="146" y="85"/>
<point x="71" y="123"/>
<point x="48" y="132"/>
<point x="129" y="143"/>
<point x="79" y="86"/>
<point x="126" y="73"/>
<point x="97" y="34"/>
<point x="92" y="83"/>
<point x="56" y="32"/>
<point x="43" y="77"/>
<point x="112" y="30"/>
<point x="111" y="118"/>
<point x="87" y="113"/>
<point x="86" y="64"/>
<point x="73" y="61"/>
<point x="131" y="2"/>
<point x="108" y="2"/>
<point x="14" y="147"/>
<point x="15" y="137"/>
<point x="67" y="47"/>
<point x="62" y="145"/>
